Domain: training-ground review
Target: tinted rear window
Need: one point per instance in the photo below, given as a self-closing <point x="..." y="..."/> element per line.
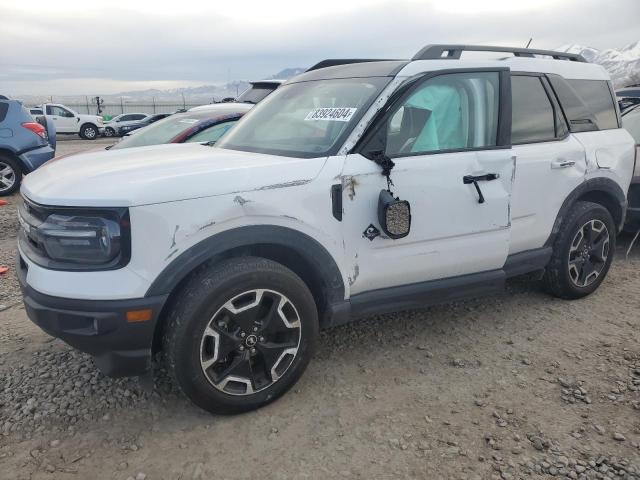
<point x="597" y="97"/>
<point x="4" y="108"/>
<point x="533" y="116"/>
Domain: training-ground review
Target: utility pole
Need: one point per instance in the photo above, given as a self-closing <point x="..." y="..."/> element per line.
<point x="98" y="101"/>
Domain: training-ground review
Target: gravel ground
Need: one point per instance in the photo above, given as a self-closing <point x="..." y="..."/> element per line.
<point x="520" y="385"/>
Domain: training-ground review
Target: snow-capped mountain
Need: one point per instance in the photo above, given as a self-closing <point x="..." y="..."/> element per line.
<point x="623" y="65"/>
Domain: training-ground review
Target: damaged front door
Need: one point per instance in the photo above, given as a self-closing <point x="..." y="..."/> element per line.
<point x="454" y="166"/>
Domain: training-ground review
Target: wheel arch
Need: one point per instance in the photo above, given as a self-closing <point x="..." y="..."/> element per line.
<point x="602" y="191"/>
<point x="15" y="157"/>
<point x="295" y="250"/>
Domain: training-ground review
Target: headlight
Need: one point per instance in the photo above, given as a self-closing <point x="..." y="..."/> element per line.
<point x="82" y="239"/>
<point x="73" y="238"/>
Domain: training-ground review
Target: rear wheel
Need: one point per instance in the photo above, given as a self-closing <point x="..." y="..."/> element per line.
<point x="582" y="252"/>
<point x="240" y="334"/>
<point x="10" y="176"/>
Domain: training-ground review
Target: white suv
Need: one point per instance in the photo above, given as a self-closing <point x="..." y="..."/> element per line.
<point x="351" y="190"/>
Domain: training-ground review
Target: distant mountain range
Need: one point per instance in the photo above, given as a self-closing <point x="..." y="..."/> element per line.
<point x="623" y="65"/>
<point x="202" y="94"/>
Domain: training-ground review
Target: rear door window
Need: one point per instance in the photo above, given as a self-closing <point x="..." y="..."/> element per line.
<point x="533" y="116"/>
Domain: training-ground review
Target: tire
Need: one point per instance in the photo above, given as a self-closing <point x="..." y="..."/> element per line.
<point x="230" y="362"/>
<point x="88" y="131"/>
<point x="109" y="132"/>
<point x="10" y="176"/>
<point x="582" y="252"/>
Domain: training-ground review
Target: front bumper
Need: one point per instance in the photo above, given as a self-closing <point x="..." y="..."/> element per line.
<point x="98" y="327"/>
<point x="37" y="157"/>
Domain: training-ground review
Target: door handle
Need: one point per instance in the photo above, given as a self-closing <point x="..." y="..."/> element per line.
<point x="487" y="177"/>
<point x="562" y="163"/>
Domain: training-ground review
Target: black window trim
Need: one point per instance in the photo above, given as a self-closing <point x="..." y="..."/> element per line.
<point x="555" y="106"/>
<point x="503" y="129"/>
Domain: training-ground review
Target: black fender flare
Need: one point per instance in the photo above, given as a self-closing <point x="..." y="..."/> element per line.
<point x="598" y="185"/>
<point x="254" y="235"/>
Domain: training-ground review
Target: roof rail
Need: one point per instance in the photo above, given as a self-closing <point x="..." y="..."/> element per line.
<point x="453" y="52"/>
<point x="332" y="62"/>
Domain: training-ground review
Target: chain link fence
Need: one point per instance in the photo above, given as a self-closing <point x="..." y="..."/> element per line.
<point x="116" y="106"/>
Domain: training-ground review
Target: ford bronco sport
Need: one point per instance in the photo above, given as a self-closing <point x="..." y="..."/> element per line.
<point x="351" y="190"/>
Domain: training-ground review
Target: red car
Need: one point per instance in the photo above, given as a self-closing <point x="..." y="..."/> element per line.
<point x="203" y="125"/>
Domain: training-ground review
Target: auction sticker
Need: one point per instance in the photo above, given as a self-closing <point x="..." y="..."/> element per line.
<point x="333" y="114"/>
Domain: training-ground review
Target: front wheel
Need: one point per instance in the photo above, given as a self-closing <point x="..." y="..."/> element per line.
<point x="240" y="334"/>
<point x="89" y="132"/>
<point x="109" y="132"/>
<point x="582" y="252"/>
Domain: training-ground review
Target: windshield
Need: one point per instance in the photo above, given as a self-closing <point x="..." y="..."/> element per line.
<point x="307" y="119"/>
<point x="254" y="94"/>
<point x="162" y="131"/>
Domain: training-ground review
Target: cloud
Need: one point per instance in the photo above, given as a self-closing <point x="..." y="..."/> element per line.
<point x="104" y="50"/>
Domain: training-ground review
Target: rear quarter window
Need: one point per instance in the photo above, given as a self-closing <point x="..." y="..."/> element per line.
<point x="596" y="95"/>
<point x="4" y="108"/>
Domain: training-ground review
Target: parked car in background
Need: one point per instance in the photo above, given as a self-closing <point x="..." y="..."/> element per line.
<point x="68" y="121"/>
<point x="24" y="144"/>
<point x="631" y="121"/>
<point x="35" y="111"/>
<point x="128" y="127"/>
<point x="204" y="125"/>
<point x="231" y="258"/>
<point x="256" y="92"/>
<point x="112" y="127"/>
<point x="259" y="90"/>
<point x="628" y="96"/>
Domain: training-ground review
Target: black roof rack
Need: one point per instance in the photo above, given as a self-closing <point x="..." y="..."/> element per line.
<point x="453" y="52"/>
<point x="332" y="62"/>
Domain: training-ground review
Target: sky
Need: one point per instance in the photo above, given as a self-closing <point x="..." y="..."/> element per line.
<point x="75" y="47"/>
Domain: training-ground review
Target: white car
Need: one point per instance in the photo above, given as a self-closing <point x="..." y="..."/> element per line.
<point x="257" y="91"/>
<point x="68" y="121"/>
<point x="351" y="190"/>
<point x="113" y="126"/>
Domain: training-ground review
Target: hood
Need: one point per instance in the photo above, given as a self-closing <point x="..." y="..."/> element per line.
<point x="161" y="173"/>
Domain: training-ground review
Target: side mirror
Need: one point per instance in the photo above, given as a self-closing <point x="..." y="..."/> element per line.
<point x="394" y="215"/>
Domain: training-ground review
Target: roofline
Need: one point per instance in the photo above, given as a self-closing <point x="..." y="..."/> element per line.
<point x="332" y="62"/>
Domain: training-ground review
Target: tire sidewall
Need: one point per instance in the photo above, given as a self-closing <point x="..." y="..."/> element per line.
<point x="87" y="127"/>
<point x="17" y="173"/>
<point x="593" y="212"/>
<point x="198" y="312"/>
